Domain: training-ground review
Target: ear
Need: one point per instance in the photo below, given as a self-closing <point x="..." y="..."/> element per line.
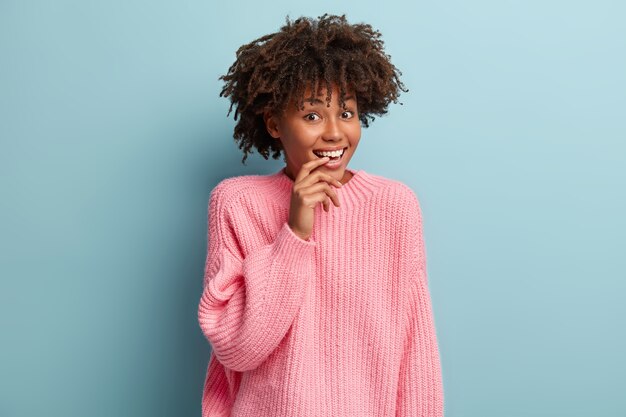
<point x="271" y="124"/>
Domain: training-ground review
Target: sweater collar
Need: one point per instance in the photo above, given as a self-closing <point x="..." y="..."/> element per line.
<point x="358" y="188"/>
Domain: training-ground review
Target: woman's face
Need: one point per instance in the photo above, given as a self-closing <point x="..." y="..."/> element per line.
<point x="303" y="133"/>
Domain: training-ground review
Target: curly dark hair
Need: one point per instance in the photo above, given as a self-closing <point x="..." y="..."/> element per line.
<point x="275" y="69"/>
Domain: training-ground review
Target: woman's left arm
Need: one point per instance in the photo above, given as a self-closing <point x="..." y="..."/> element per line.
<point x="420" y="385"/>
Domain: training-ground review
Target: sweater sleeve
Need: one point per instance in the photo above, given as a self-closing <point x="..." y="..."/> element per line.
<point x="420" y="386"/>
<point x="248" y="304"/>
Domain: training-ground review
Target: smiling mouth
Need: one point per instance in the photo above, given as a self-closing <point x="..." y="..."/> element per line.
<point x="331" y="155"/>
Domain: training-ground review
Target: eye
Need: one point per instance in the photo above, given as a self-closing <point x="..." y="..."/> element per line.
<point x="347" y="114"/>
<point x="311" y="117"/>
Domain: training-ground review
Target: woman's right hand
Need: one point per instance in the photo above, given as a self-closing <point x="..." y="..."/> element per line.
<point x="310" y="187"/>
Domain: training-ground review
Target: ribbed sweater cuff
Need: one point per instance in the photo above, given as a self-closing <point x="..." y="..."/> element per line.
<point x="279" y="275"/>
<point x="291" y="253"/>
<point x="309" y="242"/>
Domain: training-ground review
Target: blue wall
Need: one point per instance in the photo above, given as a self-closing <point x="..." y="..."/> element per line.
<point x="113" y="134"/>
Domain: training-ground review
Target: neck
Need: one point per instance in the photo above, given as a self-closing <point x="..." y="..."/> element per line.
<point x="346" y="177"/>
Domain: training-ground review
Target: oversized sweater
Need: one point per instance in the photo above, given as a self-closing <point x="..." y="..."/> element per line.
<point x="337" y="325"/>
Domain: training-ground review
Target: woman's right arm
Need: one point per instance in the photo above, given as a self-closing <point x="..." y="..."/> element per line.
<point x="248" y="304"/>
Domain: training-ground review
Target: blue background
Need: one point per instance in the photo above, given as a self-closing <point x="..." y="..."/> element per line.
<point x="113" y="135"/>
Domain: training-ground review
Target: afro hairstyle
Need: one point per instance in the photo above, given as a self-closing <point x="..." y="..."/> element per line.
<point x="276" y="69"/>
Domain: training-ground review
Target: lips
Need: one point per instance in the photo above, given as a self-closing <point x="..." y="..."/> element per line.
<point x="335" y="163"/>
<point x="319" y="155"/>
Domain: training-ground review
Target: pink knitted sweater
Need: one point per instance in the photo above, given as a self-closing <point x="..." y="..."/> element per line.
<point x="337" y="325"/>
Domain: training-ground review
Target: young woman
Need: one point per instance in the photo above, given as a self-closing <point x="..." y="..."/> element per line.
<point x="315" y="312"/>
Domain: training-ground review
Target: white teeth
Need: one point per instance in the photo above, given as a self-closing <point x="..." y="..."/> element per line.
<point x="331" y="154"/>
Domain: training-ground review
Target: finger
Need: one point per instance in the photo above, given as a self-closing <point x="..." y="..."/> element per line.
<point x="325" y="188"/>
<point x="331" y="180"/>
<point x="316" y="188"/>
<point x="333" y="196"/>
<point x="331" y="193"/>
<point x="306" y="168"/>
<point x="319" y="197"/>
<point x="313" y="199"/>
<point x="318" y="176"/>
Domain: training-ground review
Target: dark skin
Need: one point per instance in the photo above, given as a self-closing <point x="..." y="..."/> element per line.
<point x="307" y="53"/>
<point x="311" y="187"/>
<point x="302" y="131"/>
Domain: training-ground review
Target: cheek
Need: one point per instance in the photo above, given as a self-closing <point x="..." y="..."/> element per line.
<point x="302" y="134"/>
<point x="355" y="134"/>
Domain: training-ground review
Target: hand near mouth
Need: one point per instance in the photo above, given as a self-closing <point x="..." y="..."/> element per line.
<point x="310" y="188"/>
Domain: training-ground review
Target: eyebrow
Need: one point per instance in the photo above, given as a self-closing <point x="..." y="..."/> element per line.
<point x="313" y="100"/>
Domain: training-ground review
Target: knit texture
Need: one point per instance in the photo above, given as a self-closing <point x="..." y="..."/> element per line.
<point x="337" y="325"/>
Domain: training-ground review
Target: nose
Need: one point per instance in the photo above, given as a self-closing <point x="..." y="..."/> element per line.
<point x="332" y="130"/>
